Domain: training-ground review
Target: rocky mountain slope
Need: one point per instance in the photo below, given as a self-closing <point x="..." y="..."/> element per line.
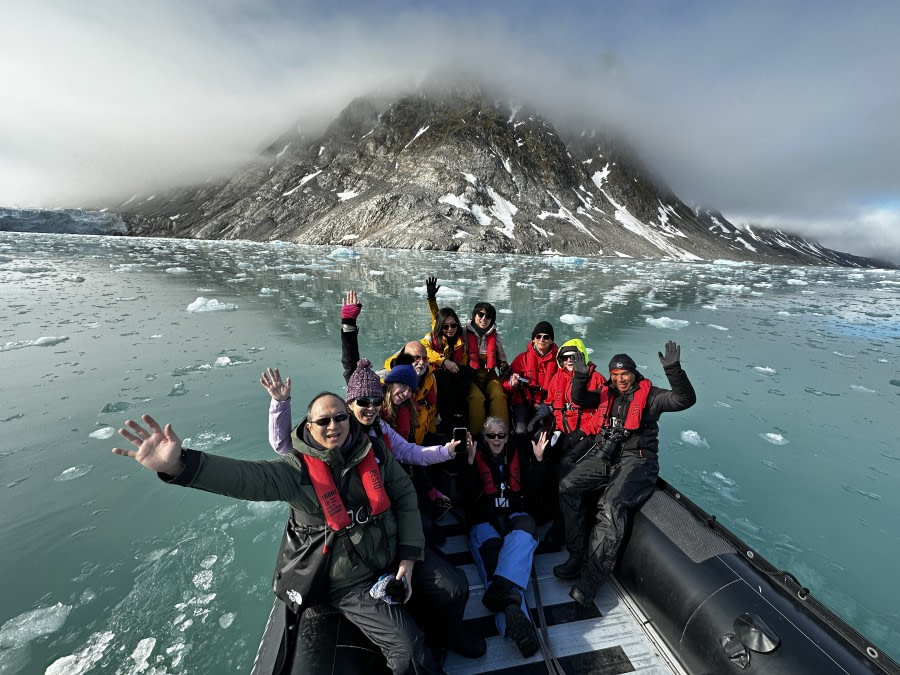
<point x="451" y="169"/>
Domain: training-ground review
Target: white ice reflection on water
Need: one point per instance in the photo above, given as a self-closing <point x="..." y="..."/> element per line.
<point x="771" y="360"/>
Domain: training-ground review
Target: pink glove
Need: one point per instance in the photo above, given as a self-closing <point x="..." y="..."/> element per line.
<point x="351" y="311"/>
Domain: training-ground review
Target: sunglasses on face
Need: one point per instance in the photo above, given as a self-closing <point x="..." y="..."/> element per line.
<point x="369" y="401"/>
<point x="482" y="315"/>
<point x="325" y="421"/>
<point x="493" y="436"/>
<point x="542" y="336"/>
<point x="567" y="357"/>
<point x="450" y="326"/>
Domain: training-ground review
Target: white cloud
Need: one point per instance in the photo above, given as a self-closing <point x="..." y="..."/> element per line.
<point x="779" y="111"/>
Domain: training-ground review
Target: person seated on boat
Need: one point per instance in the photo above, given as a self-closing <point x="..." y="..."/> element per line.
<point x="502" y="476"/>
<point x="446" y="349"/>
<point x="441" y="584"/>
<point x="529" y="376"/>
<point x="413" y="353"/>
<point x="486" y="358"/>
<point x="572" y="421"/>
<point x="334" y="471"/>
<point x="622" y="464"/>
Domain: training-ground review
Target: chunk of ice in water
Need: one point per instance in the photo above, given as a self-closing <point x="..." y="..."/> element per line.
<point x="668" y="323"/>
<point x="30" y="625"/>
<point x="74" y="472"/>
<point x="202" y="304"/>
<point x="693" y="438"/>
<point x="774" y="439"/>
<point x="103" y="434"/>
<point x="575" y="319"/>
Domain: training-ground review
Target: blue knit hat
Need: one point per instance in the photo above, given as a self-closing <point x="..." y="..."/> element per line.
<point x="405" y="374"/>
<point x="363" y="382"/>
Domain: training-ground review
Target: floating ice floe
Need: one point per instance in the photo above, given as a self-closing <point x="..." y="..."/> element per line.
<point x="860" y="388"/>
<point x="575" y="319"/>
<point x="178" y="390"/>
<point x="75" y="279"/>
<point x="738" y="289"/>
<point x="730" y="263"/>
<point x="771" y="465"/>
<point x="298" y="276"/>
<point x="177" y="270"/>
<point x="765" y="370"/>
<point x="693" y="438"/>
<point x="81" y="661"/>
<point x="74" y="472"/>
<point x="712" y="325"/>
<point x="227" y="619"/>
<point x="24" y="628"/>
<point x="201" y="304"/>
<point x="722" y="404"/>
<point x="774" y="439"/>
<point x="142" y="653"/>
<point x="797" y="282"/>
<point x="668" y="323"/>
<point x="207" y="440"/>
<point x="48" y="341"/>
<point x="343" y="252"/>
<point x="103" y="434"/>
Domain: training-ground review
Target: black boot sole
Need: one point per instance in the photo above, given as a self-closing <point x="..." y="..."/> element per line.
<point x="581" y="597"/>
<point x="568" y="576"/>
<point x="521" y="630"/>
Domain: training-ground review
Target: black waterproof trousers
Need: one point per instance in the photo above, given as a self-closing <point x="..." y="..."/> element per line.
<point x="440" y="593"/>
<point x="622" y="487"/>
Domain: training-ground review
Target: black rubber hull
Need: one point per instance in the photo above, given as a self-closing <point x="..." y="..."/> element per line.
<point x="693" y="579"/>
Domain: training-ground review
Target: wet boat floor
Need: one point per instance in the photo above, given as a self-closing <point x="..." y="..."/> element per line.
<point x="607" y="639"/>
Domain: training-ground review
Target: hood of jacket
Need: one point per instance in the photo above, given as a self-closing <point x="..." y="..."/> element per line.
<point x="577" y="344"/>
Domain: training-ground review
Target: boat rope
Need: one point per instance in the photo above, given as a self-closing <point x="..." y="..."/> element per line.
<point x="553" y="666"/>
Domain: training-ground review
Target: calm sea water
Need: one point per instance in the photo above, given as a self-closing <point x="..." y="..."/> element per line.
<point x="793" y="443"/>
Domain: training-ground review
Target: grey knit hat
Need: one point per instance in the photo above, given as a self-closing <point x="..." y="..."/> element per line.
<point x="363" y="382"/>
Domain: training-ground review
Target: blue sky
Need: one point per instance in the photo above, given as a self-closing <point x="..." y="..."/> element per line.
<point x="777" y="113"/>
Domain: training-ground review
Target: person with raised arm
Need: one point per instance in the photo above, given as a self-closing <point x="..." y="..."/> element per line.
<point x="622" y="464"/>
<point x="504" y="483"/>
<point x="355" y="504"/>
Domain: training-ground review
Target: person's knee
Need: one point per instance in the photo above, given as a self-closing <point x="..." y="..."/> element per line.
<point x="525" y="523"/>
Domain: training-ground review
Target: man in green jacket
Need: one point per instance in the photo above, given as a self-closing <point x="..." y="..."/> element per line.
<point x="328" y="444"/>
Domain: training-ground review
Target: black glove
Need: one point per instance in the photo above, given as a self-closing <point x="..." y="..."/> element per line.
<point x="431" y="286"/>
<point x="541" y="413"/>
<point x="579" y="365"/>
<point x="672" y="356"/>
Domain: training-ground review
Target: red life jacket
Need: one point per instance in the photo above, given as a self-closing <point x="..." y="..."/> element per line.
<point x="487" y="478"/>
<point x="336" y="516"/>
<point x="635" y="408"/>
<point x="472" y="343"/>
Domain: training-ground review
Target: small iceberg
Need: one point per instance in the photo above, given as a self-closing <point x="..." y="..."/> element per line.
<point x="774" y="439"/>
<point x="693" y="438"/>
<point x="666" y="322"/>
<point x="31" y="625"/>
<point x="74" y="472"/>
<point x="575" y="319"/>
<point x="102" y="434"/>
<point x="201" y="304"/>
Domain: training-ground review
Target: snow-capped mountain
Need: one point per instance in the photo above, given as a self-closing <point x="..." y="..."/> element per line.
<point x="448" y="168"/>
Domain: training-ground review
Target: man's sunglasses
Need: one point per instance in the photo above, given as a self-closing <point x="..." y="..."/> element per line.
<point x="542" y="336"/>
<point x="493" y="436"/>
<point x="369" y="401"/>
<point x="450" y="326"/>
<point x="325" y="421"/>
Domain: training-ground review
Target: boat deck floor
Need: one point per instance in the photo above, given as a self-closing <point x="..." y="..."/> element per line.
<point x="608" y="639"/>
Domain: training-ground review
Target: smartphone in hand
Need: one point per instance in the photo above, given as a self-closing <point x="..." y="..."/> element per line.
<point x="461" y="434"/>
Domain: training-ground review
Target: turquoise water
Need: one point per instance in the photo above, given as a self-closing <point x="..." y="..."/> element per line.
<point x="107" y="569"/>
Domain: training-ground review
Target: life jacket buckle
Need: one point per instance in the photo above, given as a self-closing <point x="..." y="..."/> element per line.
<point x="361" y="516"/>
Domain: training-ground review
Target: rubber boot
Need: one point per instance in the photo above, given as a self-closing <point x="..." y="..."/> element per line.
<point x="571" y="569"/>
<point x="500" y="594"/>
<point x="521" y="630"/>
<point x="584" y="590"/>
<point x="490" y="556"/>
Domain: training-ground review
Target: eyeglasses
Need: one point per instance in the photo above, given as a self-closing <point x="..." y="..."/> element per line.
<point x="416" y="359"/>
<point x="542" y="336"/>
<point x="340" y="418"/>
<point x="482" y="315"/>
<point x="493" y="436"/>
<point x="450" y="326"/>
<point x="369" y="401"/>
